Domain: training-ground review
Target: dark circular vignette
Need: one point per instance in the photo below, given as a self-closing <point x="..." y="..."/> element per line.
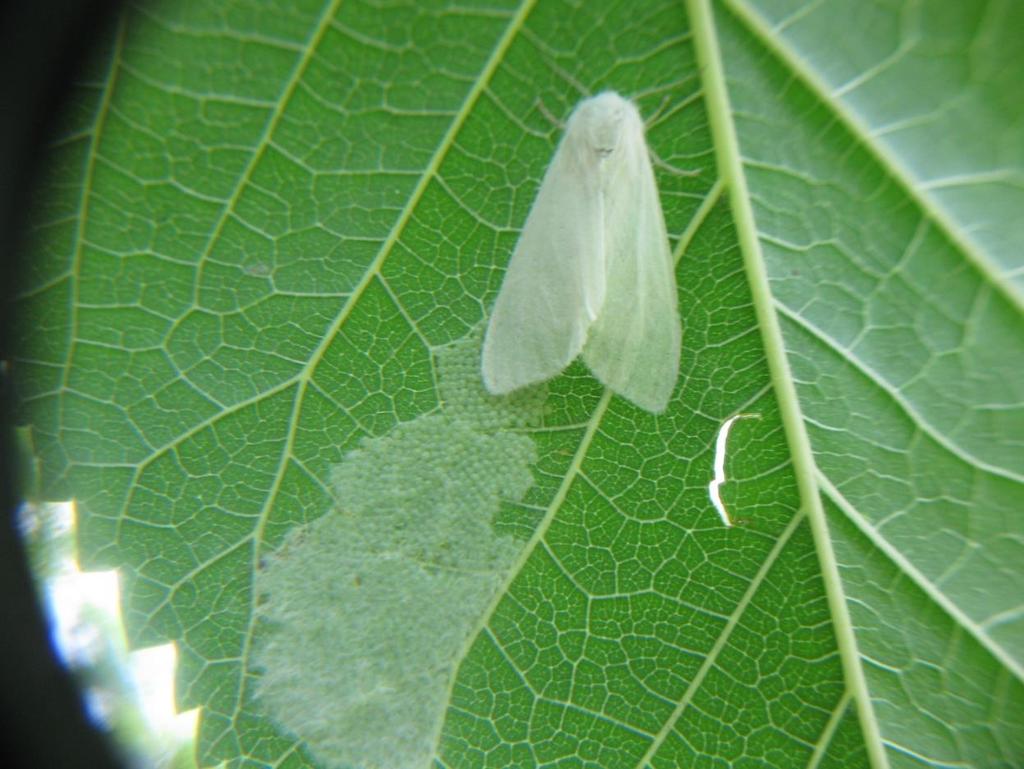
<point x="42" y="46"/>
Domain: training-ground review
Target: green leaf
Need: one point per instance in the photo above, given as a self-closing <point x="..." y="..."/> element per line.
<point x="250" y="339"/>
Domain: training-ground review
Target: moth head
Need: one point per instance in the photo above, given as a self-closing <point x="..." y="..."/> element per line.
<point x="601" y="119"/>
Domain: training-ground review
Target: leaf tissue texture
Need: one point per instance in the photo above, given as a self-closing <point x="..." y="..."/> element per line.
<point x="249" y="339"/>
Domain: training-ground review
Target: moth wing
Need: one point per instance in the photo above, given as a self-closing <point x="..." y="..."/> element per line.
<point x="633" y="346"/>
<point x="555" y="283"/>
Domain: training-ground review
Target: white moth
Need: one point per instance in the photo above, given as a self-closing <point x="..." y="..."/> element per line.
<point x="592" y="271"/>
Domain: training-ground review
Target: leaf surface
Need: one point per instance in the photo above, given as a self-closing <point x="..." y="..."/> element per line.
<point x="250" y="336"/>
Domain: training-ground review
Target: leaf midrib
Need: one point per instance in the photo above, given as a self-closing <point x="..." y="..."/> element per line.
<point x="989" y="272"/>
<point x="731" y="164"/>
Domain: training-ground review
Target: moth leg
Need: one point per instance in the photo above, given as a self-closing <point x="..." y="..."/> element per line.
<point x="548" y="114"/>
<point x="674" y="170"/>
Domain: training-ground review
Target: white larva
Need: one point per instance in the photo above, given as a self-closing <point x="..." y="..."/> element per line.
<point x="719" y="479"/>
<point x="592" y="272"/>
